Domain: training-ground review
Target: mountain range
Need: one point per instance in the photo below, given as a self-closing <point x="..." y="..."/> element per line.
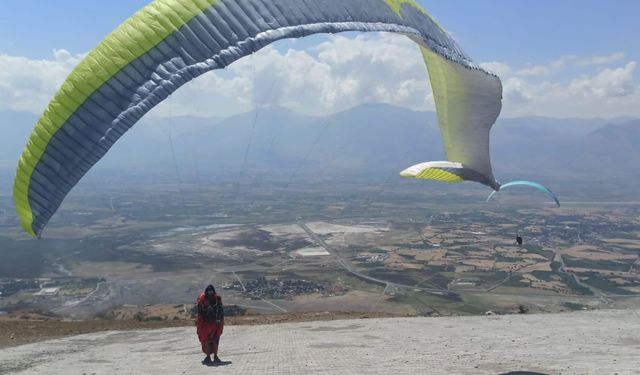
<point x="367" y="140"/>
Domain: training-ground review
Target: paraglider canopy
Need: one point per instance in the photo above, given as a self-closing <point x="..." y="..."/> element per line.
<point x="170" y="42"/>
<point x="532" y="184"/>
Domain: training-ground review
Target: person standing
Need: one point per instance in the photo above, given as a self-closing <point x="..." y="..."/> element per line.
<point x="210" y="323"/>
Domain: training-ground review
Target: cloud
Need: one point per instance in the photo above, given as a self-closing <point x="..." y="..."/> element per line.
<point x="341" y="72"/>
<point x="547" y="69"/>
<point x="570" y="86"/>
<point x="567" y="62"/>
<point x="602" y="60"/>
<point x="517" y="90"/>
<point x="500" y="69"/>
<point x="607" y="83"/>
<point x="334" y="75"/>
<point x="28" y="85"/>
<point x="609" y="92"/>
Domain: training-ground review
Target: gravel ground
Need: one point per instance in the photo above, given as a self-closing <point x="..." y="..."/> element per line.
<point x="594" y="342"/>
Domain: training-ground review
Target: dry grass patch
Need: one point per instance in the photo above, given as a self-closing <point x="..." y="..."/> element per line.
<point x="537" y="267"/>
<point x="482" y="264"/>
<point x="595" y="253"/>
<point x="510" y="266"/>
<point x="599" y="271"/>
<point x="395" y="261"/>
<point x="461" y="269"/>
<point x="536" y="283"/>
<point x="430" y="255"/>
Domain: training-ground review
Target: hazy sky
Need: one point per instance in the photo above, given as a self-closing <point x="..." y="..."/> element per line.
<point x="555" y="58"/>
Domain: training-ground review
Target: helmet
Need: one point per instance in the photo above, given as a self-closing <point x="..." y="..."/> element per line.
<point x="210" y="290"/>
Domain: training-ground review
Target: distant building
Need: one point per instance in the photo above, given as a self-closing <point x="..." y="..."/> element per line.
<point x="47" y="292"/>
<point x="465" y="283"/>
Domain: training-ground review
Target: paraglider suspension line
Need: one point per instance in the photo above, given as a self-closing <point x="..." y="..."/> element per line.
<point x="173" y="153"/>
<point x="306" y="156"/>
<point x="253" y="129"/>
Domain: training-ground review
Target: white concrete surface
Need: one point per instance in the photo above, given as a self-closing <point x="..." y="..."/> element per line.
<point x="596" y="342"/>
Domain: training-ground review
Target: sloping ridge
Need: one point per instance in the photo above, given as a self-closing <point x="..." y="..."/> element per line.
<point x="589" y="342"/>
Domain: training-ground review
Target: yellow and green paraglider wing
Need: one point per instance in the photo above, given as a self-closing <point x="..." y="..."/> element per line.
<point x="468" y="102"/>
<point x="170" y="42"/>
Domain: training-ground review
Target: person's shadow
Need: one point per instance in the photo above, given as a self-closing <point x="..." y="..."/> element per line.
<point x="221" y="363"/>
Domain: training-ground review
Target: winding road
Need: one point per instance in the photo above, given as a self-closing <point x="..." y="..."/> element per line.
<point x="596" y="292"/>
<point x="348" y="267"/>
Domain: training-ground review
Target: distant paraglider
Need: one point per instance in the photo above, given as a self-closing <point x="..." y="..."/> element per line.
<point x="536" y="185"/>
<point x="518" y="240"/>
<point x="170" y="42"/>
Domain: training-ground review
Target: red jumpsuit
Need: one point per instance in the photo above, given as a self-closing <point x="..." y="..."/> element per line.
<point x="206" y="323"/>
